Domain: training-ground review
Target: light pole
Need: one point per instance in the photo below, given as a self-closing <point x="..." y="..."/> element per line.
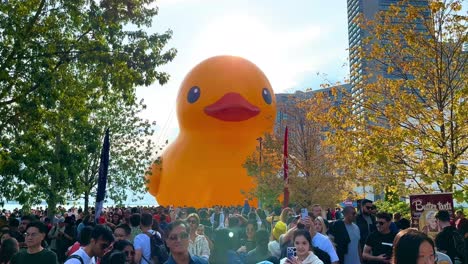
<point x="260" y="142"/>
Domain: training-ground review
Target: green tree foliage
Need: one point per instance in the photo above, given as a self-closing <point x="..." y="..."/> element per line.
<point x="408" y="123"/>
<point x="68" y="70"/>
<point x="394" y="207"/>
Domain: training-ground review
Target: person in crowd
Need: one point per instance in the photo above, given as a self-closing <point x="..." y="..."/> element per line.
<point x="224" y="248"/>
<point x="365" y="221"/>
<point x="87" y="221"/>
<point x="401" y="222"/>
<point x="135" y="220"/>
<point x="35" y="253"/>
<point x="449" y="241"/>
<point x="460" y="219"/>
<point x="285" y="214"/>
<point x="13" y="225"/>
<point x="317" y="210"/>
<point x="346" y="237"/>
<point x="413" y="247"/>
<point x="142" y="241"/>
<point x="378" y="247"/>
<point x="101" y="240"/>
<point x="85" y="237"/>
<point x="157" y="228"/>
<point x="178" y="241"/>
<point x="164" y="221"/>
<point x="122" y="232"/>
<point x="115" y="220"/>
<point x="374" y="210"/>
<point x="25" y="220"/>
<point x="204" y="218"/>
<point x="217" y="218"/>
<point x="264" y="224"/>
<point x="123" y="248"/>
<point x="320" y="225"/>
<point x="321" y="243"/>
<point x="260" y="252"/>
<point x="65" y="238"/>
<point x="8" y="249"/>
<point x="114" y="257"/>
<point x="304" y="254"/>
<point x="274" y="246"/>
<point x="198" y="244"/>
<point x="4" y="236"/>
<point x="338" y="214"/>
<point x="329" y="214"/>
<point x="248" y="241"/>
<point x="201" y="232"/>
<point x="274" y="217"/>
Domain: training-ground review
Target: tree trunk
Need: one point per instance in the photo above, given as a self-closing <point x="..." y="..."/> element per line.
<point x="86" y="202"/>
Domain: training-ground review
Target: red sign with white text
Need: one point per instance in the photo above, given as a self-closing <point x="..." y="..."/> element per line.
<point x="424" y="208"/>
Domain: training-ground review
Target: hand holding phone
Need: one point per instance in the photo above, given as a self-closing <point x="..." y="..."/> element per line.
<point x="291" y="252"/>
<point x="304" y="213"/>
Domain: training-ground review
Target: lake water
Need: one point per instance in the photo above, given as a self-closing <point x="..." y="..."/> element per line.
<point x="147" y="200"/>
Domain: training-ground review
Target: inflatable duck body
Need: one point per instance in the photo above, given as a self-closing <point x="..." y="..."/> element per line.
<point x="224" y="105"/>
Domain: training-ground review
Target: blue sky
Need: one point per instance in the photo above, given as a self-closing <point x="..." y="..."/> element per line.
<point x="289" y="40"/>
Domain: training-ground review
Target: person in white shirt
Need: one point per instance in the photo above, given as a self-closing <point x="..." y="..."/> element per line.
<point x="101" y="239"/>
<point x="198" y="244"/>
<point x="142" y="242"/>
<point x="304" y="254"/>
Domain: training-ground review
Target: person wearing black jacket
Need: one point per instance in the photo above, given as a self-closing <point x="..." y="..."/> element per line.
<point x="449" y="240"/>
<point x="365" y="221"/>
<point x="340" y="231"/>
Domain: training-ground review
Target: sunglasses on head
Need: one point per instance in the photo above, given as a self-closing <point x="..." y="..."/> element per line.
<point x="181" y="236"/>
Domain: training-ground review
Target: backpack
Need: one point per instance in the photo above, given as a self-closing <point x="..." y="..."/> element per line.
<point x="459" y="244"/>
<point x="75" y="257"/>
<point x="159" y="252"/>
<point x="322" y="255"/>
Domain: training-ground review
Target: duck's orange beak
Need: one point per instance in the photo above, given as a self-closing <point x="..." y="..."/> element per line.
<point x="232" y="107"/>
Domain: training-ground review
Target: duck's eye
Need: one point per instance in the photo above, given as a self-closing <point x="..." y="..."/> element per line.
<point x="266" y="95"/>
<point x="193" y="94"/>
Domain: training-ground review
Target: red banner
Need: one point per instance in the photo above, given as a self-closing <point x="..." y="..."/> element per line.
<point x="424" y="208"/>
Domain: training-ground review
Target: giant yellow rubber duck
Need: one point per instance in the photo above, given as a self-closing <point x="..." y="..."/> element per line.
<point x="224" y="104"/>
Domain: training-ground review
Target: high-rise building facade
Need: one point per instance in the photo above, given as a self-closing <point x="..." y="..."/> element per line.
<point x="367" y="10"/>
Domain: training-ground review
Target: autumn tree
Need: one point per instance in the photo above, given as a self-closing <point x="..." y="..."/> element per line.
<point x="264" y="166"/>
<point x="312" y="178"/>
<point x="406" y="128"/>
<point x="65" y="64"/>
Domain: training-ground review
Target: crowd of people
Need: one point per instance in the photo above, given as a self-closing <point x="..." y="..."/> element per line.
<point x="237" y="235"/>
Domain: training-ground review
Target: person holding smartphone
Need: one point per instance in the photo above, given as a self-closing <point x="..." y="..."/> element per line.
<point x="303" y="250"/>
<point x="379" y="245"/>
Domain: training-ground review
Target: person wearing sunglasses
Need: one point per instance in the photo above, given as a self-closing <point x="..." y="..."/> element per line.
<point x="198" y="244"/>
<point x="101" y="239"/>
<point x="123" y="247"/>
<point x="178" y="242"/>
<point x="378" y="247"/>
<point x="365" y="221"/>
